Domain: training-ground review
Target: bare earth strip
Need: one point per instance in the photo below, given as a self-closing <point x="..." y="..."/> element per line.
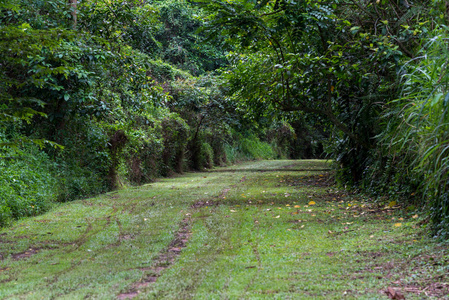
<point x="260" y="230"/>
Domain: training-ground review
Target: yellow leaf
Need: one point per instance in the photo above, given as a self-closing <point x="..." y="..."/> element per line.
<point x="297" y="206"/>
<point x="401" y="219"/>
<point x="397" y="224"/>
<point x="312" y="203"/>
<point x="391" y="204"/>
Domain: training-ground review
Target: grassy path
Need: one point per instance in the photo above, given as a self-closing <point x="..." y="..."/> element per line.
<point x="261" y="230"/>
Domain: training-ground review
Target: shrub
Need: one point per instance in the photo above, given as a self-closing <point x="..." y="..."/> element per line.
<point x="207" y="155"/>
<point x="27" y="183"/>
<point x="175" y="133"/>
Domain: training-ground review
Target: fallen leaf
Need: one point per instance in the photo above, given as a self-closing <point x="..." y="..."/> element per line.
<point x="232" y="210"/>
<point x="312" y="203"/>
<point x="415" y="216"/>
<point x="297" y="206"/>
<point x="277" y="217"/>
<point x="391" y="204"/>
<point x="393" y="294"/>
<point x="397" y="224"/>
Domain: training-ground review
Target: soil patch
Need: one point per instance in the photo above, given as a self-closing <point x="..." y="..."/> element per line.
<point x="23" y="255"/>
<point x="163" y="261"/>
<point x="201" y="204"/>
<point x="322" y="180"/>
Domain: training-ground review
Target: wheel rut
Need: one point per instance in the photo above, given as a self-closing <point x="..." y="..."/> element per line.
<point x="167" y="257"/>
<point x="163" y="261"/>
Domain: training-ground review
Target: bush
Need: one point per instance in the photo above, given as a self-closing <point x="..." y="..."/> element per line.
<point x="27" y="183"/>
<point x="253" y="148"/>
<point x="248" y="148"/>
<point x="207" y="155"/>
<point x="175" y="136"/>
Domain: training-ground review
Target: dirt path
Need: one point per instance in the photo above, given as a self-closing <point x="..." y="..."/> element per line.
<point x="268" y="229"/>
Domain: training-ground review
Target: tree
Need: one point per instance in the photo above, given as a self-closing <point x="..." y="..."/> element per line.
<point x="336" y="59"/>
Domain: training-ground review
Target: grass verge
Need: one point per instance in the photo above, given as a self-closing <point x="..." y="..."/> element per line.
<point x="260" y="230"/>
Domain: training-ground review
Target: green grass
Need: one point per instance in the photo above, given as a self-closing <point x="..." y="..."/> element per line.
<point x="249" y="241"/>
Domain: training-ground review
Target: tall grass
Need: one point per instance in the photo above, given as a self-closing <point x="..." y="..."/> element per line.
<point x="418" y="128"/>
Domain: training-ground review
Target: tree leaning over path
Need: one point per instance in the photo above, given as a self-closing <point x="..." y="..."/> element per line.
<point x="341" y="61"/>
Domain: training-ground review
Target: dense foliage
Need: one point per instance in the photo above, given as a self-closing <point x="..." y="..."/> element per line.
<point x="371" y="72"/>
<point x="101" y="94"/>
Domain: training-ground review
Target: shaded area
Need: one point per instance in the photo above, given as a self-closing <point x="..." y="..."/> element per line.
<point x="268" y="170"/>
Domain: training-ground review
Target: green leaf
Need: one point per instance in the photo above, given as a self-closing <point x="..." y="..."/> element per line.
<point x="435" y="99"/>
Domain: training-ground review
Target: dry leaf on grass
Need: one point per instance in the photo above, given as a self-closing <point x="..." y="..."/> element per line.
<point x="393" y="294"/>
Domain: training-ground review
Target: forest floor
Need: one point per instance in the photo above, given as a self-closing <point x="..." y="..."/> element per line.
<point x="259" y="230"/>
